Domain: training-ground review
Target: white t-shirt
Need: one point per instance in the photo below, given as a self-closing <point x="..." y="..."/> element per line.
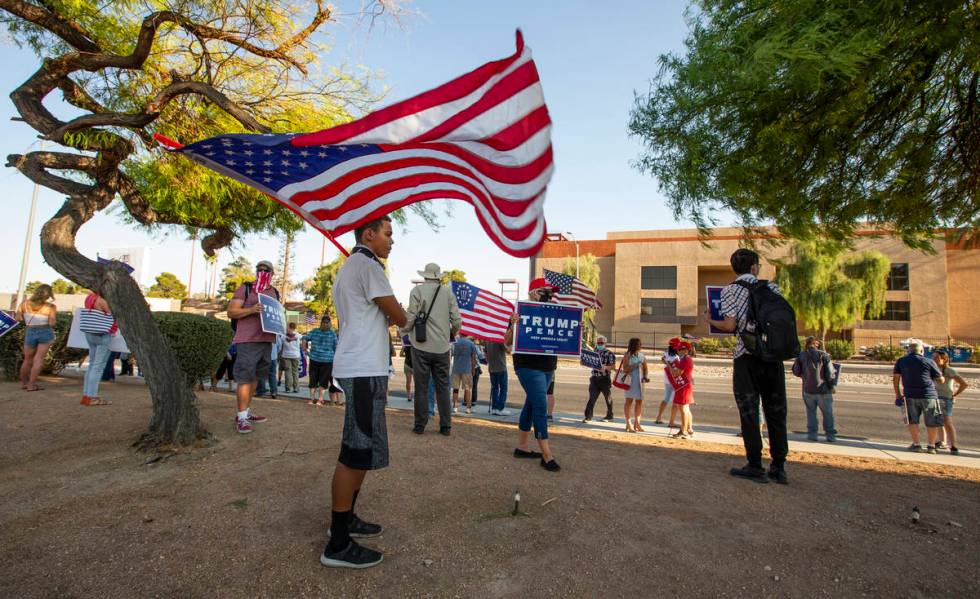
<point x="290" y="349"/>
<point x="670" y="360"/>
<point x="362" y="346"/>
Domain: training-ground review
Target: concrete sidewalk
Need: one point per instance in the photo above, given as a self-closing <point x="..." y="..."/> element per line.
<point x="844" y="446"/>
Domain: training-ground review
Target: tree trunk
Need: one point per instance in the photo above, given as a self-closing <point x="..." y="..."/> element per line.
<point x="175" y="420"/>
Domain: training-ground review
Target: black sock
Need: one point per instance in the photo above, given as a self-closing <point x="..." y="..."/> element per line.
<point x="339" y="530"/>
<point x="353" y="501"/>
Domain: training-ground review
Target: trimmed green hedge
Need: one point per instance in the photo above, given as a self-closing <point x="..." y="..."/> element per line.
<point x="12" y="349"/>
<point x="199" y="342"/>
<point x="888" y="353"/>
<point x="840" y="349"/>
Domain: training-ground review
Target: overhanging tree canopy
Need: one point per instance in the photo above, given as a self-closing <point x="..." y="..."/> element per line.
<point x="821" y="112"/>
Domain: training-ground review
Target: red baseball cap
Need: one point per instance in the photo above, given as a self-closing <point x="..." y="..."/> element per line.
<point x="674" y="341"/>
<point x="684" y="345"/>
<point x="539" y="283"/>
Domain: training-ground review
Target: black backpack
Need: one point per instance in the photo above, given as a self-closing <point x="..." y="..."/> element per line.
<point x="248" y="291"/>
<point x="770" y="332"/>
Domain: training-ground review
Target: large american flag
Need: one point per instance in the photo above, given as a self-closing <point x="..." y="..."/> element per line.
<point x="485" y="315"/>
<point x="483" y="138"/>
<point x="571" y="291"/>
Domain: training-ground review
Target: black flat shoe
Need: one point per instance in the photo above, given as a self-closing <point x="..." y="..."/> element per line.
<point x="757" y="475"/>
<point x="445" y="432"/>
<point x="551" y="465"/>
<point x="520" y="453"/>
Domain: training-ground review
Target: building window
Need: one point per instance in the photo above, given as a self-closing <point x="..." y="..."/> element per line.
<point x="895" y="311"/>
<point x="654" y="309"/>
<point x="898" y="278"/>
<point x="658" y="277"/>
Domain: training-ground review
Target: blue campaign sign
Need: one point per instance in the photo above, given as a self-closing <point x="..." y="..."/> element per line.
<point x="713" y="293"/>
<point x="590" y="359"/>
<point x="552" y="329"/>
<point x="7" y="323"/>
<point x="273" y="316"/>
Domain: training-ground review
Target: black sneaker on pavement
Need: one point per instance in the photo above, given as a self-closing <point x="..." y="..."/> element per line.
<point x="931" y="449"/>
<point x="520" y="453"/>
<point x="607" y="419"/>
<point x="418" y="430"/>
<point x="778" y="475"/>
<point x="757" y="475"/>
<point x="445" y="431"/>
<point x="352" y="556"/>
<point x="940" y="445"/>
<point x="915" y="447"/>
<point x="953" y="450"/>
<point x="359" y="529"/>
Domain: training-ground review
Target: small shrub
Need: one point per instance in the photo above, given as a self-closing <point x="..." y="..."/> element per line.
<point x="198" y="342"/>
<point x="729" y="342"/>
<point x="840" y="349"/>
<point x="708" y="345"/>
<point x="12" y="349"/>
<point x="887" y="353"/>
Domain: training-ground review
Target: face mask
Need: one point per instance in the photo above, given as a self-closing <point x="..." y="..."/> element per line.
<point x="263" y="280"/>
<point x="600" y="346"/>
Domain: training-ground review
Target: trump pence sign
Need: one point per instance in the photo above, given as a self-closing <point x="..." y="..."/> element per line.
<point x="549" y="329"/>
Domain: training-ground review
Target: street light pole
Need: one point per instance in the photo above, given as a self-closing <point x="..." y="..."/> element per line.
<point x="576" y="251"/>
<point x="26" y="257"/>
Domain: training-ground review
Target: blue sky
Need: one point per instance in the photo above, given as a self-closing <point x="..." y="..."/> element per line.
<point x="591" y="59"/>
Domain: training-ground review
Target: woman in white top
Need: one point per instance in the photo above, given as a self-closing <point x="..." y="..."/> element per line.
<point x="38" y="314"/>
<point x="635" y="364"/>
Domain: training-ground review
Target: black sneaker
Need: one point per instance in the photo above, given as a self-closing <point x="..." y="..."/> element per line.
<point x="584" y="420"/>
<point x="940" y="445"/>
<point x="607" y="419"/>
<point x="953" y="450"/>
<point x="915" y="447"/>
<point x="520" y="453"/>
<point x="352" y="556"/>
<point x="359" y="529"/>
<point x="551" y="465"/>
<point x="418" y="430"/>
<point x="778" y="475"/>
<point x="757" y="475"/>
<point x="931" y="449"/>
<point x="445" y="431"/>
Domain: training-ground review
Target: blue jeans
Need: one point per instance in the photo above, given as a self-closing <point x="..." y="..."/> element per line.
<point x="825" y="401"/>
<point x="498" y="390"/>
<point x="98" y="356"/>
<point x="535" y="410"/>
<point x="270" y="382"/>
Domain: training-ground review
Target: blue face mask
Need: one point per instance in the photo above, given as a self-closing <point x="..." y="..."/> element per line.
<point x="600" y="346"/>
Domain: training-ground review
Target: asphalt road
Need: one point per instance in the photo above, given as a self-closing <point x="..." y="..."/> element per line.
<point x="866" y="411"/>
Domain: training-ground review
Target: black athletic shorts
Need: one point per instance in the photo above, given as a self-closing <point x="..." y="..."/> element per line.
<point x="321" y="376"/>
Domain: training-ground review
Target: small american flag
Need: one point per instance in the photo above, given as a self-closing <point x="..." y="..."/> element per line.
<point x="483" y="138"/>
<point x="310" y="318"/>
<point x="571" y="291"/>
<point x="485" y="315"/>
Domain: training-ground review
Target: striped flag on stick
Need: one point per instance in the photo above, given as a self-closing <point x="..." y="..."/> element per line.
<point x="571" y="291"/>
<point x="483" y="138"/>
<point x="485" y="315"/>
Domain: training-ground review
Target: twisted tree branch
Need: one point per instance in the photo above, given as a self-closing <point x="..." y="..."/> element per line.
<point x="168" y="93"/>
<point x="73" y="34"/>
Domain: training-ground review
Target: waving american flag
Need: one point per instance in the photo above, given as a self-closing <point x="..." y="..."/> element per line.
<point x="485" y="315"/>
<point x="483" y="138"/>
<point x="571" y="291"/>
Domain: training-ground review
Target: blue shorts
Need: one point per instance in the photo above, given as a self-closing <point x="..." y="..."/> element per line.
<point x="928" y="407"/>
<point x="38" y="335"/>
<point x="947" y="405"/>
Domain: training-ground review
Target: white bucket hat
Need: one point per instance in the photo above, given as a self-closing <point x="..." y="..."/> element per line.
<point x="432" y="271"/>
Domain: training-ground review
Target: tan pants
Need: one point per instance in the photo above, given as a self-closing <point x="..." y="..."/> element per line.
<point x="290" y="366"/>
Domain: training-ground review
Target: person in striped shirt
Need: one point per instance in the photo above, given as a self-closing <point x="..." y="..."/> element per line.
<point x="754" y="379"/>
<point x="320" y="345"/>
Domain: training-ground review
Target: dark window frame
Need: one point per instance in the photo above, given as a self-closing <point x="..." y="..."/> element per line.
<point x="658" y="307"/>
<point x="896" y="311"/>
<point x="898" y="277"/>
<point x="658" y="277"/>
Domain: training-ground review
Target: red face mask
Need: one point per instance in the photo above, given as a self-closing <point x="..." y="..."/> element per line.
<point x="263" y="280"/>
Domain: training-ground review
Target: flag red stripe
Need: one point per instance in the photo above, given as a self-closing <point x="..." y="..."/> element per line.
<point x="522" y="77"/>
<point x="519" y="132"/>
<point x="453" y="90"/>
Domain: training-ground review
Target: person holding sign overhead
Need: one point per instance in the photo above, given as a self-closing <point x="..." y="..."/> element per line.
<point x="535" y="373"/>
<point x="254" y="345"/>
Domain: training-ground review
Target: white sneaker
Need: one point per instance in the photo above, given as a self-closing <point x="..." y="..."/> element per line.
<point x="455" y="410"/>
<point x="469" y="410"/>
<point x="503" y="412"/>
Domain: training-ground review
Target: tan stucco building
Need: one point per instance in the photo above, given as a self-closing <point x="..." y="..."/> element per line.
<point x="652" y="284"/>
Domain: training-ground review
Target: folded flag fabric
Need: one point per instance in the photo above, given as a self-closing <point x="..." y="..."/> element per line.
<point x="483" y="138"/>
<point x="571" y="291"/>
<point x="485" y="315"/>
<point x="125" y="266"/>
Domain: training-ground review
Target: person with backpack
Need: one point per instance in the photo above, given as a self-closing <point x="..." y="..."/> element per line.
<point x="765" y="325"/>
<point x="254" y="346"/>
<point x="814" y="367"/>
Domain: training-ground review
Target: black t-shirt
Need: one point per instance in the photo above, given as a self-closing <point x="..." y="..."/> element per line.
<point x="536" y="362"/>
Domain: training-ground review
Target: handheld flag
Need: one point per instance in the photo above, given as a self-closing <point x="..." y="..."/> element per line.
<point x="483" y="138"/>
<point x="485" y="315"/>
<point x="571" y="291"/>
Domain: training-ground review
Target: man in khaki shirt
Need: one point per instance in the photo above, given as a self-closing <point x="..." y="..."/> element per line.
<point x="431" y="357"/>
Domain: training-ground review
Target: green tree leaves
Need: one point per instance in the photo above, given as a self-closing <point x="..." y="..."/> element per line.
<point x="821" y="115"/>
<point x="168" y="285"/>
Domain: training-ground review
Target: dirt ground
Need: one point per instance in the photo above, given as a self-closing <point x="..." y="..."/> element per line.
<point x="83" y="515"/>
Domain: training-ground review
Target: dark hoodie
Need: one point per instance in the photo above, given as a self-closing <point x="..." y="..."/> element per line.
<point x="814" y="367"/>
